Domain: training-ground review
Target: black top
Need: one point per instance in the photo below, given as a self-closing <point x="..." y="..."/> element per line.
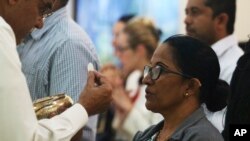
<point x="238" y="111"/>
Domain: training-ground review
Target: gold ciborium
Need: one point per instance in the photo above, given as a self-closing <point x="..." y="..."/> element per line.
<point x="50" y="106"/>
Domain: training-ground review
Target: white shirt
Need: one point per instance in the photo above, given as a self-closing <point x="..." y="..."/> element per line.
<point x="216" y="118"/>
<point x="18" y="120"/>
<point x="228" y="53"/>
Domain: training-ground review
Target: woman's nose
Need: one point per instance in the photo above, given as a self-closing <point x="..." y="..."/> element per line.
<point x="147" y="80"/>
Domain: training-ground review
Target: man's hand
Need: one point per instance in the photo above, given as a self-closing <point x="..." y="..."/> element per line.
<point x="97" y="94"/>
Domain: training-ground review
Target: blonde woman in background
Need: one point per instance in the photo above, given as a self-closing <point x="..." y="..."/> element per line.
<point x="135" y="46"/>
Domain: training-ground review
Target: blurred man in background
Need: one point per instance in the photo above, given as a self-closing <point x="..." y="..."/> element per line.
<point x="212" y="21"/>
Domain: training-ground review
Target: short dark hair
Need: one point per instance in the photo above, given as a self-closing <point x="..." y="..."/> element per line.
<point x="197" y="59"/>
<point x="224" y="6"/>
<point x="126" y="18"/>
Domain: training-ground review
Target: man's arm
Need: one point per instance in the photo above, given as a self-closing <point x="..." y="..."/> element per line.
<point x="18" y="121"/>
<point x="18" y="115"/>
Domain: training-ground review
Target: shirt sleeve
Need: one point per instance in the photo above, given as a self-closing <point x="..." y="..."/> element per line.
<point x="63" y="126"/>
<point x="202" y="134"/>
<point x="18" y="121"/>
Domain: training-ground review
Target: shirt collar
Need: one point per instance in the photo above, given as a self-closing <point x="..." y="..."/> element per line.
<point x="224" y="44"/>
<point x="192" y="119"/>
<point x="49" y="22"/>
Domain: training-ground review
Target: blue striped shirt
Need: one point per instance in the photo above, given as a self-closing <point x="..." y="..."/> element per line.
<point x="55" y="58"/>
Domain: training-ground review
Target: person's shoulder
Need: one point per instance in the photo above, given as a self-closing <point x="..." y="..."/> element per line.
<point x="148" y="133"/>
<point x="6" y="30"/>
<point x="74" y="33"/>
<point x="7" y="36"/>
<point x="141" y="135"/>
<point x="243" y="63"/>
<point x="204" y="131"/>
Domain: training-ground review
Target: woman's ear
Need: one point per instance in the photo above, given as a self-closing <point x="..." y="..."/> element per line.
<point x="221" y="21"/>
<point x="193" y="87"/>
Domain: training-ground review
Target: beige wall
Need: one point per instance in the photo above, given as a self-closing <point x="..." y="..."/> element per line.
<point x="242" y="25"/>
<point x="242" y="28"/>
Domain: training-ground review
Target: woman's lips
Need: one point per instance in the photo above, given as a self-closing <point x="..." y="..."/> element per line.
<point x="149" y="94"/>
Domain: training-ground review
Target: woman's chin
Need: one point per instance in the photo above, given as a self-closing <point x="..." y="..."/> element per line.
<point x="149" y="106"/>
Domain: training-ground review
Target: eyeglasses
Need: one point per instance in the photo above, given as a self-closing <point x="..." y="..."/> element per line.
<point x="155" y="72"/>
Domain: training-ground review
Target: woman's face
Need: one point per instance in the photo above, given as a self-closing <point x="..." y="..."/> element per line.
<point x="167" y="92"/>
<point x="116" y="30"/>
<point x="127" y="56"/>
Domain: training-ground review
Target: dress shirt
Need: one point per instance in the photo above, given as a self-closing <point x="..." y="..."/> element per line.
<point x="195" y="127"/>
<point x="55" y="58"/>
<point x="18" y="120"/>
<point x="228" y="52"/>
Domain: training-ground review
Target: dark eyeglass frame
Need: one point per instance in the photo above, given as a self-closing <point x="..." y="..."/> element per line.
<point x="148" y="70"/>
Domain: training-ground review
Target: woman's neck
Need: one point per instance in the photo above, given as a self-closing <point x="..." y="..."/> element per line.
<point x="173" y="118"/>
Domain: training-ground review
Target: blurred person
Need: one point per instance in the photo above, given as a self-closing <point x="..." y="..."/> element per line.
<point x="117" y="28"/>
<point x="212" y="21"/>
<point x="178" y="80"/>
<point x="105" y="130"/>
<point x="135" y="44"/>
<point x="18" y="120"/>
<point x="238" y="105"/>
<point x="59" y="65"/>
<point x="130" y="39"/>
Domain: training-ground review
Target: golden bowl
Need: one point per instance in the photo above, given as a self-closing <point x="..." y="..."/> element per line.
<point x="50" y="106"/>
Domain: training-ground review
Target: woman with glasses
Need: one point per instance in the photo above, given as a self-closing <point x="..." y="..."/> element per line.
<point x="182" y="75"/>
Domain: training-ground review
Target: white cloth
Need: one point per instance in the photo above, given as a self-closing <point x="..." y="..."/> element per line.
<point x="228" y="52"/>
<point x="216" y="118"/>
<point x="132" y="82"/>
<point x="18" y="121"/>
